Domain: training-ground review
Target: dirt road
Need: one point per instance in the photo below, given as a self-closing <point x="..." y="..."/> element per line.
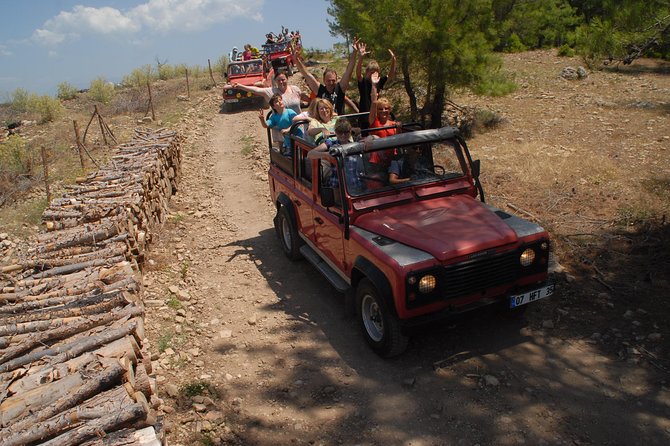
<point x="252" y="349"/>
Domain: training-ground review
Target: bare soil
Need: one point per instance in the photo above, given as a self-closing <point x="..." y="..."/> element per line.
<point x="252" y="349"/>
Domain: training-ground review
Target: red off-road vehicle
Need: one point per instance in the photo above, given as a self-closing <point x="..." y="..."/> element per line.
<point x="409" y="252"/>
<point x="248" y="72"/>
<point x="279" y="56"/>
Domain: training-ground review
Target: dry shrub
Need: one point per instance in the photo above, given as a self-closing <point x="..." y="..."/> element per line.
<point x="16" y="166"/>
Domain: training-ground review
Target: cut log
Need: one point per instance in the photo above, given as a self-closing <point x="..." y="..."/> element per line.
<point x="128" y="437"/>
<point x="93" y="428"/>
<point x="36" y="376"/>
<point x="72" y="349"/>
<point x="69" y="396"/>
<point x="98" y="406"/>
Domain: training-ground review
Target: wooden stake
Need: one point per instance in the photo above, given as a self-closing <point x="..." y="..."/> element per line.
<point x="95" y="112"/>
<point x="188" y="87"/>
<point x="211" y="75"/>
<point x="151" y="102"/>
<point x="79" y="144"/>
<point x="45" y="163"/>
<point x="102" y="126"/>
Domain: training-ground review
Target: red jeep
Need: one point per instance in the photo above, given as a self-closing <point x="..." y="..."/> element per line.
<point x="248" y="72"/>
<point x="410" y="246"/>
<point x="279" y="56"/>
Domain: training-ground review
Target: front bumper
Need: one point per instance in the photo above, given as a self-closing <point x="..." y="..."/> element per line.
<point x="501" y="302"/>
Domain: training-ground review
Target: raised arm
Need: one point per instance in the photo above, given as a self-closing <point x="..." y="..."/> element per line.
<point x="258" y="91"/>
<point x="346" y="77"/>
<point x="392" y="70"/>
<point x="261" y="115"/>
<point x="359" y="65"/>
<point x="312" y="83"/>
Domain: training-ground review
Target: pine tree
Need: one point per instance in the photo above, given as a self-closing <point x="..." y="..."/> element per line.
<point x="440" y="44"/>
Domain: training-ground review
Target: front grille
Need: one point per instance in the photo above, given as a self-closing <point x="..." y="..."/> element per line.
<point x="474" y="276"/>
<point x="478" y="275"/>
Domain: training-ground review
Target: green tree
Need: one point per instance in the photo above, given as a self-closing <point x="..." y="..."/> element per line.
<point x="534" y="23"/>
<point x="623" y="30"/>
<point x="66" y="91"/>
<point x="100" y="90"/>
<point x="440" y="44"/>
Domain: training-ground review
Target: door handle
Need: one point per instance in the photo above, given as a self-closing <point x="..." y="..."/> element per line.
<point x="318" y="220"/>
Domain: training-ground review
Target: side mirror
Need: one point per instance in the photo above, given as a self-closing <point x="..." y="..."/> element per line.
<point x="476" y="168"/>
<point x="327" y="196"/>
<point x="225" y="75"/>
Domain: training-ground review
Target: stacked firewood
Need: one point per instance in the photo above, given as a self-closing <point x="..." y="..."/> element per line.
<point x="74" y="363"/>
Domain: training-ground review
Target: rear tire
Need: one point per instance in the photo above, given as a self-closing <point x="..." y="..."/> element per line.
<point x="380" y="326"/>
<point x="288" y="234"/>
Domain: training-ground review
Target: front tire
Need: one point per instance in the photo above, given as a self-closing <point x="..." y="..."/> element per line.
<point x="288" y="234"/>
<point x="380" y="326"/>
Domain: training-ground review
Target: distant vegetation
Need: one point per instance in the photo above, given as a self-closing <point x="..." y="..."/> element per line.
<point x="443" y="45"/>
<point x="45" y="108"/>
<point x="66" y="91"/>
<point x="101" y="90"/>
<point x="139" y="77"/>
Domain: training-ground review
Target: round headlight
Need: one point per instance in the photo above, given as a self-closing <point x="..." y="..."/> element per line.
<point x="427" y="283"/>
<point x="249" y="94"/>
<point x="230" y="92"/>
<point x="527" y="257"/>
<point x="238" y="95"/>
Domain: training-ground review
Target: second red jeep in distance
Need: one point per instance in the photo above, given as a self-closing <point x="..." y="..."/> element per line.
<point x="248" y="72"/>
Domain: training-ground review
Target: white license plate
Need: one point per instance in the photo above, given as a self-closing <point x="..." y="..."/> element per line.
<point x="231" y="101"/>
<point x="531" y="296"/>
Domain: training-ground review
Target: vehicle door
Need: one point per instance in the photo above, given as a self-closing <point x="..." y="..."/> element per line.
<point x="328" y="212"/>
<point x="305" y="194"/>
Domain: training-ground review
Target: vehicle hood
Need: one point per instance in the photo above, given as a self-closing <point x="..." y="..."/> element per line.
<point x="245" y="80"/>
<point x="445" y="227"/>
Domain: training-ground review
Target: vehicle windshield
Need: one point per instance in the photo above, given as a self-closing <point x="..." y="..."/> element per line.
<point x="390" y="169"/>
<point x="245" y="68"/>
<point x="277" y="47"/>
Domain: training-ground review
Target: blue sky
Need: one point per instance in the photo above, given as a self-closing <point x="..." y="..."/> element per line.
<point x="46" y="42"/>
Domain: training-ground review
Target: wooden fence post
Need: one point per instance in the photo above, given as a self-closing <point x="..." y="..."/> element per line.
<point x="79" y="144"/>
<point x="102" y="126"/>
<point x="151" y="101"/>
<point x="45" y="164"/>
<point x="188" y="87"/>
<point x="211" y="75"/>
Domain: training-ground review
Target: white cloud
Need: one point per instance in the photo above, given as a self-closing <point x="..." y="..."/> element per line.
<point x="4" y="51"/>
<point x="154" y="15"/>
<point x="48" y="37"/>
<point x="190" y="15"/>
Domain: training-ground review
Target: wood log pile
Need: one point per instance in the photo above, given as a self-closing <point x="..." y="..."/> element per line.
<point x="74" y="362"/>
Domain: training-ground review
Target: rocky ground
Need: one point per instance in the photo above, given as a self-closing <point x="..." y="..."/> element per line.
<point x="251" y="349"/>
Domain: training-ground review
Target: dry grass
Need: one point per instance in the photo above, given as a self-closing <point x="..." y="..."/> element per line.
<point x="24" y="195"/>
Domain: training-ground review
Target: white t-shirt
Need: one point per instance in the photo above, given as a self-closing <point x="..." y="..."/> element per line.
<point x="291" y="96"/>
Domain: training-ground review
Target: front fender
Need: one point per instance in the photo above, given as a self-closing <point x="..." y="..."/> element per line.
<point x="365" y="268"/>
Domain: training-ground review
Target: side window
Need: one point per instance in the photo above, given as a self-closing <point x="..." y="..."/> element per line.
<point x="329" y="185"/>
<point x="305" y="166"/>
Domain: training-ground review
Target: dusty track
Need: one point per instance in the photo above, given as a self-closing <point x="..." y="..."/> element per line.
<point x="278" y="362"/>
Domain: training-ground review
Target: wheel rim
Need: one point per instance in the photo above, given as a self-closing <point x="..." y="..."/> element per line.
<point x="372" y="318"/>
<point x="286" y="233"/>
